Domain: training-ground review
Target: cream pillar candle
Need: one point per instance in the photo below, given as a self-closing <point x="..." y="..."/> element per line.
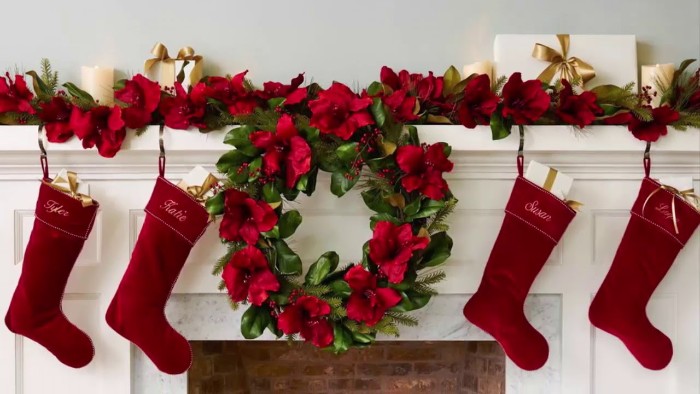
<point x="653" y="75"/>
<point x="484" y="67"/>
<point x="99" y="82"/>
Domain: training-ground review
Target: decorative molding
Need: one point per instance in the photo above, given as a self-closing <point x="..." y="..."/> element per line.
<point x="596" y="215"/>
<point x="599" y="152"/>
<point x="134" y="216"/>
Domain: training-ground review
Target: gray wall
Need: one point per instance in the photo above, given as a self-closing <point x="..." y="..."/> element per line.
<point x="344" y="40"/>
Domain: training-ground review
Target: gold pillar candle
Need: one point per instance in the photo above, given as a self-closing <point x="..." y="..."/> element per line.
<point x="99" y="82"/>
<point x="658" y="77"/>
<point x="484" y="67"/>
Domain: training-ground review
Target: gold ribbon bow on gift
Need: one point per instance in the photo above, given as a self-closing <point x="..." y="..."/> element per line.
<point x="168" y="75"/>
<point x="569" y="68"/>
<point x="199" y="191"/>
<point x="687" y="195"/>
<point x="72" y="188"/>
<point x="549" y="182"/>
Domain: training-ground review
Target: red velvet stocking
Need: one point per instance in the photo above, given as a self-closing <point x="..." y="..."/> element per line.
<point x="61" y="227"/>
<point x="647" y="251"/>
<point x="535" y="221"/>
<point x="174" y="222"/>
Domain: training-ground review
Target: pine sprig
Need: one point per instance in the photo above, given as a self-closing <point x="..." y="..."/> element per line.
<point x="231" y="248"/>
<point x="386" y="326"/>
<point x="260" y="119"/>
<point x="424" y="284"/>
<point x="498" y="85"/>
<point x="49" y="76"/>
<point x="371" y="181"/>
<point x="317" y="290"/>
<point x="438" y="222"/>
<point x="403" y="319"/>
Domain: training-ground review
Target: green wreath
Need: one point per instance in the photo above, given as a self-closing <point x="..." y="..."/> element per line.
<point x="279" y="149"/>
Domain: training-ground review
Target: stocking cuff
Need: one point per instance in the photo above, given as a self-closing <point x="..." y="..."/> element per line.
<point x="662" y="208"/>
<point x="64" y="213"/>
<point x="177" y="210"/>
<point x="540" y="209"/>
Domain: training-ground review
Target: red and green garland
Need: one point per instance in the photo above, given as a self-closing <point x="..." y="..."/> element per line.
<point x="286" y="133"/>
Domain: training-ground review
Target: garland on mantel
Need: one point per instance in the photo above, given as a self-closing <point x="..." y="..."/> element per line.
<point x="286" y="133"/>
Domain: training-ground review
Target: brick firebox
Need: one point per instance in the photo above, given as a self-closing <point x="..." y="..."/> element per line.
<point x="238" y="367"/>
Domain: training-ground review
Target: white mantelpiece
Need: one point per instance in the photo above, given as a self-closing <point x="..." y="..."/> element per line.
<point x="606" y="165"/>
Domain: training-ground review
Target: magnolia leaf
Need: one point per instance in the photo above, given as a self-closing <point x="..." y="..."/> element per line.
<point x="230" y="161"/>
<point x="254" y="321"/>
<point x="411" y="300"/>
<point x="397" y="200"/>
<point x="379" y="111"/>
<point x="42" y="91"/>
<point x="319" y="270"/>
<point x="428" y="208"/>
<point x="413" y="207"/>
<point x="450" y="80"/>
<point x="341" y="288"/>
<point x="342" y="338"/>
<point x="499" y="129"/>
<point x="215" y="205"/>
<point x="439" y="119"/>
<point x="375" y="88"/>
<point x="254" y="169"/>
<point x="387" y="147"/>
<point x="79" y="93"/>
<point x="288" y="262"/>
<point x="288" y="223"/>
<point x="347" y="152"/>
<point x="439" y="249"/>
<point x="375" y="201"/>
<point x="271" y="194"/>
<point x="340" y="184"/>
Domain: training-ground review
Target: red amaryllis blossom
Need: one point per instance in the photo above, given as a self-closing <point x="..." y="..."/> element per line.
<point x="524" y="102"/>
<point x="102" y="126"/>
<point x="292" y="93"/>
<point x="391" y="247"/>
<point x="401" y="105"/>
<point x="478" y="104"/>
<point x="55" y="115"/>
<point x="580" y="110"/>
<point x="15" y="96"/>
<point x="428" y="89"/>
<point x="142" y="96"/>
<point x="232" y="93"/>
<point x="248" y="276"/>
<point x="244" y="218"/>
<point x="423" y="168"/>
<point x="284" y="146"/>
<point x="308" y="317"/>
<point x="368" y="303"/>
<point x="694" y="101"/>
<point x="184" y="110"/>
<point x="339" y="111"/>
<point x="647" y="131"/>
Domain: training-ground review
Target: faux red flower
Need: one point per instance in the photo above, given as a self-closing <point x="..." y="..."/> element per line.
<point x="308" y="317"/>
<point x="524" y="102"/>
<point x="244" y="218"/>
<point x="423" y="168"/>
<point x="428" y="89"/>
<point x="102" y="126"/>
<point x="402" y="105"/>
<point x="233" y="93"/>
<point x="292" y="93"/>
<point x="184" y="110"/>
<point x="15" y="96"/>
<point x="478" y="104"/>
<point x="392" y="246"/>
<point x="248" y="276"/>
<point x="142" y="96"/>
<point x="694" y="101"/>
<point x="56" y="115"/>
<point x="339" y="111"/>
<point x="580" y="110"/>
<point x="368" y="303"/>
<point x="646" y="131"/>
<point x="388" y="77"/>
<point x="284" y="146"/>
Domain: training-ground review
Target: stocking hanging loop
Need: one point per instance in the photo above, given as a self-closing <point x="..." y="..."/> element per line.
<point x="521" y="158"/>
<point x="161" y="157"/>
<point x="647" y="160"/>
<point x="43" y="157"/>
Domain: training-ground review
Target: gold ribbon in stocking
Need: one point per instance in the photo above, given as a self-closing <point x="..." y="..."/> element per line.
<point x="199" y="191"/>
<point x="569" y="68"/>
<point x="687" y="195"/>
<point x="72" y="188"/>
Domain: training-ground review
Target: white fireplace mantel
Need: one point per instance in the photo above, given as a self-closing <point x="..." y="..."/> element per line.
<point x="606" y="162"/>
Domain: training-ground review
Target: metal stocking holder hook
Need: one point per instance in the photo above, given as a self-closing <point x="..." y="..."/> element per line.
<point x="43" y="159"/>
<point x="647" y="159"/>
<point x="161" y="157"/>
<point x="521" y="158"/>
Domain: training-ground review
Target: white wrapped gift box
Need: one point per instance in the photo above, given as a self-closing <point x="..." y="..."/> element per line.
<point x="613" y="57"/>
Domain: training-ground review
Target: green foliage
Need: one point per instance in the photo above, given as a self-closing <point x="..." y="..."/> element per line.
<point x="231" y="248"/>
<point x="438" y="222"/>
<point x="424" y="284"/>
<point x="49" y="76"/>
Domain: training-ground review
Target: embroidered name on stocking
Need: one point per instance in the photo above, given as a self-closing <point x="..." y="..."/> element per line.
<point x="52" y="206"/>
<point x="533" y="208"/>
<point x="170" y="207"/>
